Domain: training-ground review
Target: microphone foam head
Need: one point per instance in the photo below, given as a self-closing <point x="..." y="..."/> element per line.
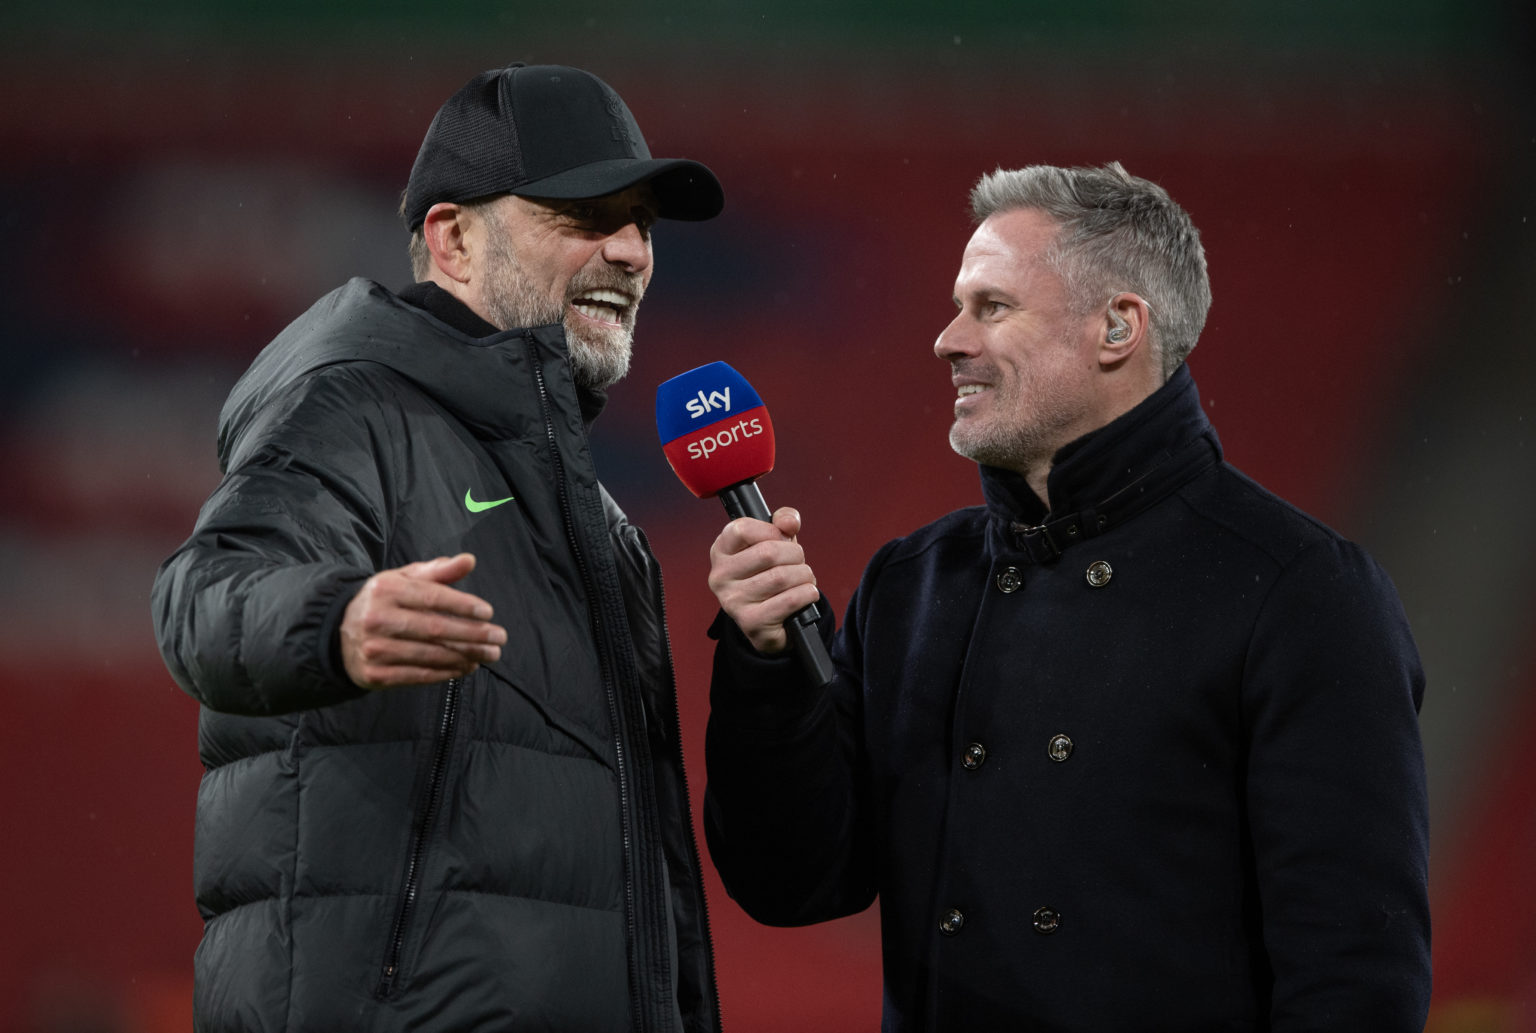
<point x="714" y="429"/>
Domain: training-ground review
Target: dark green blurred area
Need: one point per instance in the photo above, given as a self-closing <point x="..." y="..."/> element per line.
<point x="1476" y="31"/>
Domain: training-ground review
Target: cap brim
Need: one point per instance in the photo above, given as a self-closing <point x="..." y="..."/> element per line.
<point x="684" y="189"/>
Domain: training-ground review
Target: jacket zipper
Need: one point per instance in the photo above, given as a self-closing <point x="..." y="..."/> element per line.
<point x="447" y="717"/>
<point x="677" y="749"/>
<point x="637" y="981"/>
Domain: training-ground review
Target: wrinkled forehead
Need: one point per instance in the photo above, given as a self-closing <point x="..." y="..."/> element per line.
<point x="1008" y="250"/>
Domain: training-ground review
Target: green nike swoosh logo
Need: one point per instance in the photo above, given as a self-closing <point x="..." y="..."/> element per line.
<point x="480" y="507"/>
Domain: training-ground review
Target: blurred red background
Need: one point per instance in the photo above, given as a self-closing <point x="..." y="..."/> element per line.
<point x="175" y="191"/>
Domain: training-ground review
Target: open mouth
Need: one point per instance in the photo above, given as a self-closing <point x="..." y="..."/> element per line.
<point x="968" y="397"/>
<point x="966" y="394"/>
<point x="602" y="306"/>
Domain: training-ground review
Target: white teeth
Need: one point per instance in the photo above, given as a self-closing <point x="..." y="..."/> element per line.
<point x="603" y="314"/>
<point x="971" y="389"/>
<point x="607" y="297"/>
<point x="605" y="305"/>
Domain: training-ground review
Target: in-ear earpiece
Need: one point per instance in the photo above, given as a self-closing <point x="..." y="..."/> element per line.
<point x="1120" y="330"/>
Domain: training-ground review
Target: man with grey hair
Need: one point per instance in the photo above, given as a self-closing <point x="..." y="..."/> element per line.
<point x="444" y="785"/>
<point x="1131" y="746"/>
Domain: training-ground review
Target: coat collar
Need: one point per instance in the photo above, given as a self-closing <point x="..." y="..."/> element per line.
<point x="1108" y="475"/>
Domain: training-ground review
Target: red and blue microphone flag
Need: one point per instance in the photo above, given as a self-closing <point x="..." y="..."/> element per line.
<point x="714" y="429"/>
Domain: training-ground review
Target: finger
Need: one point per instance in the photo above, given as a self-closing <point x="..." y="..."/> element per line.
<point x="743" y="533"/>
<point x="385" y="662"/>
<point x="443" y="569"/>
<point x="770" y="585"/>
<point x="787" y="520"/>
<point x="421" y="594"/>
<point x="418" y="627"/>
<point x="439" y="656"/>
<point x="479" y="652"/>
<point x="737" y="595"/>
<point x="399" y="622"/>
<point x="749" y="563"/>
<point x="775" y="610"/>
<point x="763" y="623"/>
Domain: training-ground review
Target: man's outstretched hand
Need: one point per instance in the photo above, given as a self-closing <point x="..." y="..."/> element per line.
<point x="407" y="626"/>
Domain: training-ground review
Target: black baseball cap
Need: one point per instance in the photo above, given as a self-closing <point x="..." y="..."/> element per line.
<point x="547" y="131"/>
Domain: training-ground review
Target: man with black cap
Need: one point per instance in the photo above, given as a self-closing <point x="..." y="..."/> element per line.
<point x="444" y="787"/>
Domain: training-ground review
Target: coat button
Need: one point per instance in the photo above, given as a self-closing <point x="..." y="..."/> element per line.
<point x="975" y="756"/>
<point x="1060" y="748"/>
<point x="1099" y="573"/>
<point x="950" y="924"/>
<point x="1047" y="920"/>
<point x="1009" y="580"/>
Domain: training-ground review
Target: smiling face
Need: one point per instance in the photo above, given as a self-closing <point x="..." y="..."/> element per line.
<point x="1024" y="366"/>
<point x="583" y="263"/>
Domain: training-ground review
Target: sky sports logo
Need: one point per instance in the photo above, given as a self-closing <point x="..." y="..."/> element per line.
<point x="714" y="428"/>
<point x="741" y="429"/>
<point x="704" y="404"/>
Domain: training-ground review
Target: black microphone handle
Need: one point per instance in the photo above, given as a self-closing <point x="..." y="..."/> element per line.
<point x="745" y="499"/>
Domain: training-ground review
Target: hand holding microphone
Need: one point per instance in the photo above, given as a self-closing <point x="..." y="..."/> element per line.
<point x="758" y="572"/>
<point x="717" y="435"/>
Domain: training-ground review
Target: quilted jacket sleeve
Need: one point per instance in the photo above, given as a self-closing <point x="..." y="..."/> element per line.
<point x="246" y="611"/>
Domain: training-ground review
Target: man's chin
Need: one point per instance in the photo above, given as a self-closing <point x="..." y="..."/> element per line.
<point x="964" y="441"/>
<point x="599" y="364"/>
<point x="979" y="448"/>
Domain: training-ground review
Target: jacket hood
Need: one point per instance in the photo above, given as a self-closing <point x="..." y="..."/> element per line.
<point x="363" y="321"/>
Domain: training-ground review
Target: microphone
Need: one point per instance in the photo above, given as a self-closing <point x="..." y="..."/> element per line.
<point x="718" y="438"/>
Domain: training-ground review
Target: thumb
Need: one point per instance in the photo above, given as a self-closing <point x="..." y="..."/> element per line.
<point x="445" y="570"/>
<point x="787" y="520"/>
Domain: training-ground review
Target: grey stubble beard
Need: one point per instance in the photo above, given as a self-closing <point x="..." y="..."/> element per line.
<point x="512" y="300"/>
<point x="1023" y="443"/>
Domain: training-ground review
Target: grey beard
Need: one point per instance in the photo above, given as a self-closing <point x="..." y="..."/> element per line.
<point x="1025" y="442"/>
<point x="511" y="301"/>
<point x="1019" y="453"/>
<point x="598" y="367"/>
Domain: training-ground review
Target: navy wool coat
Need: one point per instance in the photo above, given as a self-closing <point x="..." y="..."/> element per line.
<point x="1147" y="761"/>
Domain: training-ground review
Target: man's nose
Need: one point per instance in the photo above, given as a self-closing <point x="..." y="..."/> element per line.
<point x="955" y="340"/>
<point x="629" y="247"/>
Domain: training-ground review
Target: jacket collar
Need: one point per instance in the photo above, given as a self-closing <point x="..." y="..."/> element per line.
<point x="475" y="378"/>
<point x="431" y="298"/>
<point x="1108" y="475"/>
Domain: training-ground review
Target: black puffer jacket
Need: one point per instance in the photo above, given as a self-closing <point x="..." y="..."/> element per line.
<point x="508" y="851"/>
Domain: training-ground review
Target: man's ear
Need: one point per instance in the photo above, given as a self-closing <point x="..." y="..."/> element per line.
<point x="445" y="229"/>
<point x="1126" y="328"/>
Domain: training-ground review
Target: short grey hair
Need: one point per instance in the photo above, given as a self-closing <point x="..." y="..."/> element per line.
<point x="1118" y="233"/>
<point x="421" y="257"/>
